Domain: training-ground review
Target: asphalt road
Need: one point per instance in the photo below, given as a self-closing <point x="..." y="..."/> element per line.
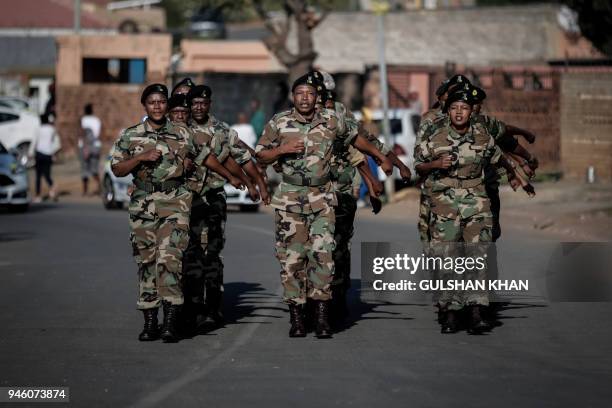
<point x="68" y="318"/>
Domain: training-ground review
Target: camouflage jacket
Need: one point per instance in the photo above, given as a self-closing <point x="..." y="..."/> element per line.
<point x="173" y="140"/>
<point x="345" y="160"/>
<point x="473" y="151"/>
<point x="225" y="142"/>
<point x="319" y="136"/>
<point x="204" y="144"/>
<point x="430" y="122"/>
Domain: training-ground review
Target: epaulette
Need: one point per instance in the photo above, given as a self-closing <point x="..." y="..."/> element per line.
<point x="281" y="114"/>
<point x="138" y="128"/>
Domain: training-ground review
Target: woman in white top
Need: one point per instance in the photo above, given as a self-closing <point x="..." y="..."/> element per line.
<point x="43" y="147"/>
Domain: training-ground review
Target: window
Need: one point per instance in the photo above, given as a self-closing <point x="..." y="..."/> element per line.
<point x="114" y="70"/>
<point x="7" y="117"/>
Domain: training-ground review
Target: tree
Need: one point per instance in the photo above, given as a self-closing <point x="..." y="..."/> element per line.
<point x="595" y="21"/>
<point x="305" y="17"/>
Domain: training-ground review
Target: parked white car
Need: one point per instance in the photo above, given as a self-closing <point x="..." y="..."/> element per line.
<point x="17" y="130"/>
<point x="403" y="126"/>
<point x="14" y="103"/>
<point x="14" y="187"/>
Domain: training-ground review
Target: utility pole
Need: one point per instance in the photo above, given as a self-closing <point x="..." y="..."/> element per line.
<point x="381" y="8"/>
<point x="77" y="16"/>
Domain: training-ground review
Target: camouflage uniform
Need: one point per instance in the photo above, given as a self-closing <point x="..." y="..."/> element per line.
<point x="343" y="173"/>
<point x="497" y="130"/>
<point x="159" y="208"/>
<point x="431" y="121"/>
<point x="193" y="261"/>
<point x="303" y="202"/>
<point x="460" y="208"/>
<point x="209" y="213"/>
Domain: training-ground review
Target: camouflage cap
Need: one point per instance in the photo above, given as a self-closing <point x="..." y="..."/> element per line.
<point x="184" y="82"/>
<point x="151" y="89"/>
<point x="178" y="100"/>
<point x="328" y="81"/>
<point x="307" y="79"/>
<point x="199" y="91"/>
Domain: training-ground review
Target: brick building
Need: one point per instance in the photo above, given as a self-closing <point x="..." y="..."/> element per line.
<point x="108" y="71"/>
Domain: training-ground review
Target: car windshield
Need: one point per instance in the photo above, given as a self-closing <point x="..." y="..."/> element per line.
<point x="394" y="124"/>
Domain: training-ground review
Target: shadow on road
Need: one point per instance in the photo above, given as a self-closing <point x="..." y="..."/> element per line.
<point x="243" y="300"/>
<point x="359" y="310"/>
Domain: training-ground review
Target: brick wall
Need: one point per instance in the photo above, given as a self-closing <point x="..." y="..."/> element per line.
<point x="536" y="110"/>
<point x="586" y="125"/>
<point x="118" y="106"/>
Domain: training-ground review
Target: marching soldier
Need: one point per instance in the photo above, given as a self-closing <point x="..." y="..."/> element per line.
<point x="156" y="153"/>
<point x="209" y="220"/>
<point x="301" y="141"/>
<point x="460" y="208"/>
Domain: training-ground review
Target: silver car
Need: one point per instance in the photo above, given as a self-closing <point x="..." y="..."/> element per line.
<point x="14" y="186"/>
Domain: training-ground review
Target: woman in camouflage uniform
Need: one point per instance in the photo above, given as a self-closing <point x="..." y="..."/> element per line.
<point x="460" y="223"/>
<point x="156" y="152"/>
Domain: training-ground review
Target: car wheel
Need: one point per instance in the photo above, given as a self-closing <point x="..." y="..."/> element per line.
<point x="108" y="194"/>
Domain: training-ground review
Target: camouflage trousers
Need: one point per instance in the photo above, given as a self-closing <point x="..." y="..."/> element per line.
<point x="492" y="189"/>
<point x="203" y="265"/>
<point x="344" y="228"/>
<point x="461" y="238"/>
<point x="304" y="248"/>
<point x="424" y="213"/>
<point x="159" y="232"/>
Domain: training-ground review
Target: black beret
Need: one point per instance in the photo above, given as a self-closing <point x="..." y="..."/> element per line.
<point x="319" y="80"/>
<point x="459" y="95"/>
<point x="307" y="79"/>
<point x="151" y="89"/>
<point x="478" y="94"/>
<point x="178" y="100"/>
<point x="328" y="96"/>
<point x="185" y="82"/>
<point x="442" y="88"/>
<point x="452" y="82"/>
<point x="199" y="91"/>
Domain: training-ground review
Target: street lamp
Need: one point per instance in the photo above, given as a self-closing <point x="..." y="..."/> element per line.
<point x="381" y="8"/>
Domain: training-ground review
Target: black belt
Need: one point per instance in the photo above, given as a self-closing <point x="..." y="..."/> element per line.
<point x="305" y="181"/>
<point x="164" y="186"/>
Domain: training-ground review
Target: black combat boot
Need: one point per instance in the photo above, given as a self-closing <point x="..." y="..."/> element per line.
<point x="297" y="321"/>
<point x="476" y="325"/>
<point x="150" y="332"/>
<point x="449" y="322"/>
<point x="322" y="329"/>
<point x="169" y="330"/>
<point x="214" y="305"/>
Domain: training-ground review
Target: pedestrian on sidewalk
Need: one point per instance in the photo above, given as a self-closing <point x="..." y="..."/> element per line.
<point x="45" y="145"/>
<point x="89" y="148"/>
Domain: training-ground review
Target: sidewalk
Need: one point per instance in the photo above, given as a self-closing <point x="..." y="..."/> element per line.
<point x="66" y="176"/>
<point x="560" y="210"/>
